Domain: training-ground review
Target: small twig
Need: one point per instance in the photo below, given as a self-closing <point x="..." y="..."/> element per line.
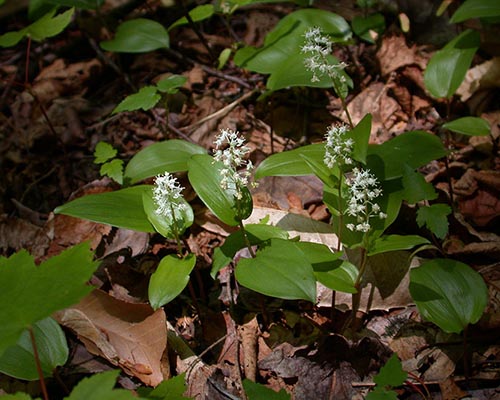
<point x="192" y="25"/>
<point x="38" y="365"/>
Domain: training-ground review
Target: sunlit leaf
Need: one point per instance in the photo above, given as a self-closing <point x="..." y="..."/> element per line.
<point x="169" y="279"/>
<point x="121" y="208"/>
<point x="391" y="374"/>
<point x="168" y="156"/>
<point x="280" y="270"/>
<point x="197" y="14"/>
<point x="170" y="389"/>
<point x="145" y="99"/>
<point x="33" y="293"/>
<point x="100" y="387"/>
<point x="416" y="188"/>
<point x="138" y="36"/>
<point x="104" y="152"/>
<point x="448" y="293"/>
<point x="470" y="126"/>
<point x="171" y="84"/>
<point x="476" y="9"/>
<point x="18" y="361"/>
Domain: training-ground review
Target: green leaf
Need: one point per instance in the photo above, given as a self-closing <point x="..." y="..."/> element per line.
<point x="169" y="279"/>
<point x="171" y="84"/>
<point x="33" y="293"/>
<point x="470" y="126"/>
<point x="476" y="9"/>
<point x="82" y="4"/>
<point x="361" y="136"/>
<point x="197" y="14"/>
<point x="256" y="391"/>
<point x="47" y="26"/>
<point x="104" y="152"/>
<point x="138" y="36"/>
<point x="382" y="394"/>
<point x="416" y="188"/>
<point x="18" y="361"/>
<point x="362" y="26"/>
<point x="184" y="217"/>
<point x="256" y="233"/>
<point x="435" y="218"/>
<point x="280" y="270"/>
<point x="113" y="169"/>
<point x="17" y="396"/>
<point x="169" y="156"/>
<point x="100" y="387"/>
<point x="280" y="55"/>
<point x="224" y="57"/>
<point x="205" y="177"/>
<point x="170" y="389"/>
<point x="391" y="374"/>
<point x="335" y="274"/>
<point x="448" y="293"/>
<point x="290" y="163"/>
<point x="121" y="208"/>
<point x="447" y="68"/>
<point x="415" y="148"/>
<point x="395" y="242"/>
<point x="145" y="99"/>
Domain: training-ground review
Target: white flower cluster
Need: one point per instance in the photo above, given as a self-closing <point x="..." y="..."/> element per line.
<point x="233" y="157"/>
<point x="338" y="146"/>
<point x="167" y="196"/>
<point x="363" y="190"/>
<point x="319" y="46"/>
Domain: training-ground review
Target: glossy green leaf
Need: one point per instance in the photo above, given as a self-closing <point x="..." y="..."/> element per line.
<point x="138" y="36"/>
<point x="34" y="293"/>
<point x="414" y="148"/>
<point x="256" y="234"/>
<point x="290" y="163"/>
<point x="435" y="218"/>
<point x="256" y="391"/>
<point x="47" y="26"/>
<point x="145" y="99"/>
<point x="363" y="26"/>
<point x="100" y="387"/>
<point x="280" y="270"/>
<point x="171" y="84"/>
<point x="113" y="169"/>
<point x="197" y="14"/>
<point x="82" y="4"/>
<point x="416" y="188"/>
<point x="361" y="136"/>
<point x="395" y="242"/>
<point x="168" y="156"/>
<point x="447" y="68"/>
<point x="205" y="177"/>
<point x="104" y="152"/>
<point x="476" y="9"/>
<point x="470" y="126"/>
<point x="448" y="293"/>
<point x="280" y="55"/>
<point x="184" y="217"/>
<point x="169" y="279"/>
<point x="332" y="272"/>
<point x="121" y="208"/>
<point x="18" y="361"/>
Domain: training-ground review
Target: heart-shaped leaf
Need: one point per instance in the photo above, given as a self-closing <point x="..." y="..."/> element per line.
<point x="122" y="208"/>
<point x="18" y="361"/>
<point x="280" y="270"/>
<point x="168" y="156"/>
<point x="139" y="35"/>
<point x="169" y="279"/>
<point x="448" y="293"/>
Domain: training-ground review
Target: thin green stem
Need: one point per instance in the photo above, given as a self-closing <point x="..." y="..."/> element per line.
<point x="175" y="230"/>
<point x="245" y="238"/>
<point x="38" y="365"/>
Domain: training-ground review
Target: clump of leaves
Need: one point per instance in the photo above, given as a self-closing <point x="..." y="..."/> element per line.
<point x="391" y="375"/>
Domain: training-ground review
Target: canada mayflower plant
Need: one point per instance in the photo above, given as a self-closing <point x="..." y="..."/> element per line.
<point x="363" y="190"/>
<point x="167" y="196"/>
<point x="231" y="151"/>
<point x="319" y="46"/>
<point x="338" y="148"/>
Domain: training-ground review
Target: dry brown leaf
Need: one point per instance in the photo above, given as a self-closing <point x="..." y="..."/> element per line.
<point x="450" y="390"/>
<point x="394" y="53"/>
<point x="130" y="336"/>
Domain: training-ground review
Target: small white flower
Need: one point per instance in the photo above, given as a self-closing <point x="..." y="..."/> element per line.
<point x="167" y="196"/>
<point x="319" y="46"/>
<point x="338" y="146"/>
<point x="363" y="190"/>
<point x="233" y="157"/>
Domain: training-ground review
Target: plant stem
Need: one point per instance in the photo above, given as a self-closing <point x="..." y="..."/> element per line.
<point x="38" y="365"/>
<point x="245" y="238"/>
<point x="176" y="232"/>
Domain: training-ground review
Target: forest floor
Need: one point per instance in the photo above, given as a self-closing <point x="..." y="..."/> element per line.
<point x="294" y="345"/>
